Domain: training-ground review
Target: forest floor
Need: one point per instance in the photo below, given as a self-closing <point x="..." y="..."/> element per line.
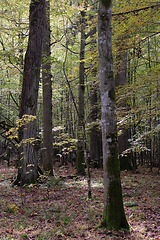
<point x="59" y="209"/>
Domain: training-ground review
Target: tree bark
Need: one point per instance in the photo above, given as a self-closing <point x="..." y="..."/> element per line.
<point x="47" y="155"/>
<point x="28" y="165"/>
<point x="120" y="81"/>
<point x="80" y="147"/>
<point x="95" y="132"/>
<point x="113" y="214"/>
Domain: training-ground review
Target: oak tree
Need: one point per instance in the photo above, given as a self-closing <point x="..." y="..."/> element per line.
<point x="28" y="163"/>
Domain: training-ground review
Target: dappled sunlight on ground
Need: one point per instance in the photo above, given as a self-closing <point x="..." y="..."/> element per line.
<point x="59" y="208"/>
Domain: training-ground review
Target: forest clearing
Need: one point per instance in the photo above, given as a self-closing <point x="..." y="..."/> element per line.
<point x="59" y="209"/>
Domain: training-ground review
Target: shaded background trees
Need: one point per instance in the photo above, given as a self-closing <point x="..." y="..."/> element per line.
<point x="135" y="42"/>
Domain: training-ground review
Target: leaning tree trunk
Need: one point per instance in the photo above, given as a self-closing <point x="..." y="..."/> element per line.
<point x="113" y="214"/>
<point x="47" y="154"/>
<point x="28" y="165"/>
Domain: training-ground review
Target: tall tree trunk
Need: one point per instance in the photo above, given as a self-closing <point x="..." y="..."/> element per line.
<point x="95" y="132"/>
<point x="113" y="214"/>
<point x="47" y="155"/>
<point x="121" y="80"/>
<point x="28" y="165"/>
<point x="80" y="147"/>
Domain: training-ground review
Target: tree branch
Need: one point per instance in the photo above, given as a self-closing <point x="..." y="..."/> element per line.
<point x="13" y="99"/>
<point x="136" y="10"/>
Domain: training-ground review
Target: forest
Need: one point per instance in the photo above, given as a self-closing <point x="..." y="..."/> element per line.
<point x="79" y="119"/>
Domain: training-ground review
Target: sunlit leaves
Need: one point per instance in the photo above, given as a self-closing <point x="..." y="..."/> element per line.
<point x="13" y="132"/>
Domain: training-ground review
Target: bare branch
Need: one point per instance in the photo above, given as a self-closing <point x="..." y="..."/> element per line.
<point x="135" y="10"/>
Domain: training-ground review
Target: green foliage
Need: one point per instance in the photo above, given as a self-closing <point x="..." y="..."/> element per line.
<point x="134" y="32"/>
<point x="24" y="236"/>
<point x="63" y="140"/>
<point x="13" y="38"/>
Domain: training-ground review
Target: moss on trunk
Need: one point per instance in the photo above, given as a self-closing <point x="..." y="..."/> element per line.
<point x="113" y="215"/>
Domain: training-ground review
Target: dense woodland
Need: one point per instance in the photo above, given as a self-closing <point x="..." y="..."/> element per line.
<point x="52" y="91"/>
<point x="135" y="37"/>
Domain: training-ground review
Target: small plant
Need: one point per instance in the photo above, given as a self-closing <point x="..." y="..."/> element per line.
<point x="43" y="178"/>
<point x="11" y="208"/>
<point x="46" y="235"/>
<point x="66" y="219"/>
<point x="60" y="233"/>
<point x="130" y="204"/>
<point x="24" y="236"/>
<point x="12" y="133"/>
<point x="91" y="215"/>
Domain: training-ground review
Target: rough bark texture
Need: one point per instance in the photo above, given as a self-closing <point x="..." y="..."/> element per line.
<point x="113" y="214"/>
<point x="47" y="154"/>
<point x="80" y="147"/>
<point x="28" y="165"/>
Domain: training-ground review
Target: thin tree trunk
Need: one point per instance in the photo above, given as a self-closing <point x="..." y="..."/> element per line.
<point x="28" y="165"/>
<point x="80" y="147"/>
<point x="47" y="155"/>
<point x="113" y="214"/>
<point x="95" y="132"/>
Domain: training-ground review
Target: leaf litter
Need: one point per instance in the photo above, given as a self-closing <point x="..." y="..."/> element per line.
<point x="59" y="209"/>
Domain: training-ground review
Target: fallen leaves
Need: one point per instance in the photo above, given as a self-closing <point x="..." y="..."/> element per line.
<point x="60" y="210"/>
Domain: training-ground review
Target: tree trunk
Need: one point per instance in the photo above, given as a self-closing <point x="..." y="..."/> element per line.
<point x="80" y="147"/>
<point x="95" y="132"/>
<point x="113" y="214"/>
<point x="47" y="155"/>
<point x="28" y="165"/>
<point x="121" y="80"/>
